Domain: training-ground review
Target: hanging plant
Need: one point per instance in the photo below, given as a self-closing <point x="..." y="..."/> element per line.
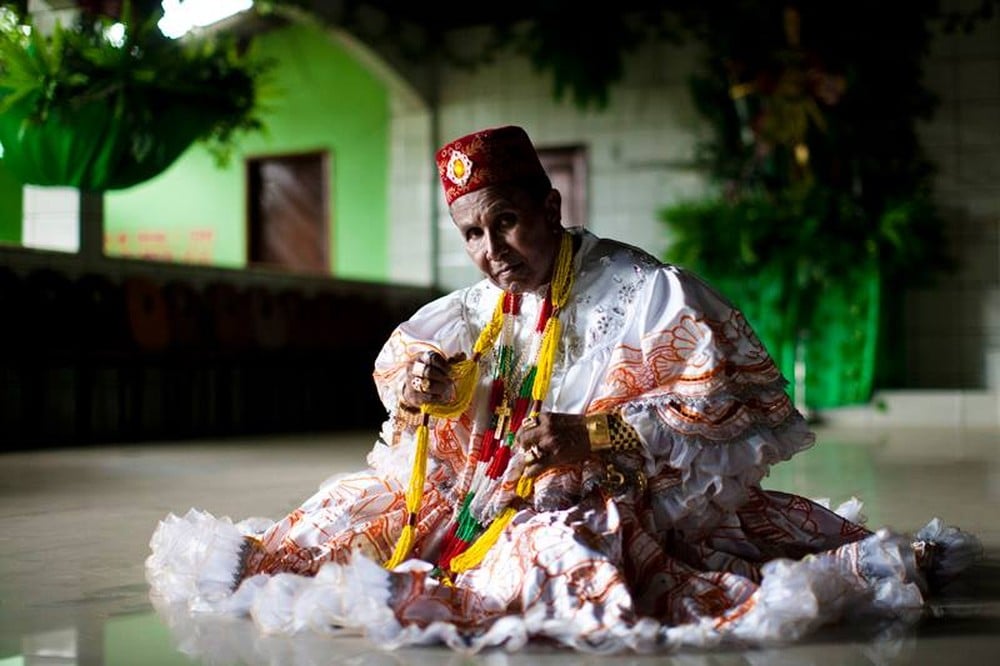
<point x="104" y="103"/>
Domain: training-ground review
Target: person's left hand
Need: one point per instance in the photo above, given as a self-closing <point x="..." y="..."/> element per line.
<point x="557" y="439"/>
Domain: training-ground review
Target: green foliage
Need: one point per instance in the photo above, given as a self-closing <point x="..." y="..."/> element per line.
<point x="815" y="131"/>
<point x="823" y="194"/>
<point x="813" y="236"/>
<point x="135" y="72"/>
<point x="815" y="119"/>
<point x="583" y="51"/>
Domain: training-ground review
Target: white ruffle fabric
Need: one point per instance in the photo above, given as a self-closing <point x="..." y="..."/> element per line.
<point x="195" y="559"/>
<point x="700" y="557"/>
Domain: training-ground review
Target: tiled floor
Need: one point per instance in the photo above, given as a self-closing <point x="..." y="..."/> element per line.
<point x="75" y="524"/>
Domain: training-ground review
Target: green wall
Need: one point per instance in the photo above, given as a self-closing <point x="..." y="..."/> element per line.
<point x="322" y="99"/>
<point x="11" y="202"/>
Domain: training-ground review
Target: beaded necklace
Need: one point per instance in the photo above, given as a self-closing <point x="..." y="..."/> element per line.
<point x="467" y="540"/>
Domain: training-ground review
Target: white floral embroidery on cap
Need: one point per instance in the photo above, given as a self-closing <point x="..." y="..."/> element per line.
<point x="459" y="168"/>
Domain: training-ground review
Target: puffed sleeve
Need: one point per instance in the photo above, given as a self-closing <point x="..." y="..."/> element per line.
<point x="440" y="325"/>
<point x="691" y="376"/>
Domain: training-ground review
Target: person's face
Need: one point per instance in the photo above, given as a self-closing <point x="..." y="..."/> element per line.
<point x="509" y="235"/>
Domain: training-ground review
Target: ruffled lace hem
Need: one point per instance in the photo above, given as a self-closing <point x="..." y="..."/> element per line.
<point x="849" y="510"/>
<point x="196" y="563"/>
<point x="951" y="551"/>
<point x="874" y="577"/>
<point x="197" y="559"/>
<point x="698" y="483"/>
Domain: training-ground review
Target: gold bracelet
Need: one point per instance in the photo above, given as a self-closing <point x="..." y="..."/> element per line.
<point x="623" y="436"/>
<point x="597" y="431"/>
<point x="408" y="415"/>
<point x="610" y="432"/>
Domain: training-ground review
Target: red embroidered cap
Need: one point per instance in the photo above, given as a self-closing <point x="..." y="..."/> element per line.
<point x="487" y="157"/>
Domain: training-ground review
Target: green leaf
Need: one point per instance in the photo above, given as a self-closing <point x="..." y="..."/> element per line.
<point x="76" y="65"/>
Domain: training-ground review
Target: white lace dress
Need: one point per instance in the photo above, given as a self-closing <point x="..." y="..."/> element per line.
<point x="701" y="556"/>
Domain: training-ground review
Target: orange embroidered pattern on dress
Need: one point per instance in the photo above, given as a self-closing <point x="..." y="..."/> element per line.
<point x="392" y="367"/>
<point x="595" y="574"/>
<point x="687" y="344"/>
<point x="395" y="359"/>
<point x="361" y="512"/>
<point x="694" y="358"/>
<point x="447" y="442"/>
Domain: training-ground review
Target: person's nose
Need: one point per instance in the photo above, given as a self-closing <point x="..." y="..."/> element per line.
<point x="496" y="247"/>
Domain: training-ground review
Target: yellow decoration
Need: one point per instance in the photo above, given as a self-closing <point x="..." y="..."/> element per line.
<point x="466" y="376"/>
<point x="546" y="358"/>
<point x="414" y="493"/>
<point x="475" y="553"/>
<point x="801" y="154"/>
<point x="459" y="168"/>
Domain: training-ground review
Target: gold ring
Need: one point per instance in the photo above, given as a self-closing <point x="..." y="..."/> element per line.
<point x="420" y="384"/>
<point x="529" y="423"/>
<point x="533" y="455"/>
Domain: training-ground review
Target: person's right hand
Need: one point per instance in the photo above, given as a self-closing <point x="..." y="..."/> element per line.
<point x="428" y="379"/>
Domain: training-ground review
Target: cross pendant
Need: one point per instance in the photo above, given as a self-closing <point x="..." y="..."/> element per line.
<point x="502" y="412"/>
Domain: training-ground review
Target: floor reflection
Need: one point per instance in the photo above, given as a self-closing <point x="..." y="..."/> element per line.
<point x="961" y="610"/>
<point x="75" y="526"/>
<point x="173" y="637"/>
<point x="236" y="641"/>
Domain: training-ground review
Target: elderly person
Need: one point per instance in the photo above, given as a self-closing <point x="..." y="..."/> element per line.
<point x="574" y="452"/>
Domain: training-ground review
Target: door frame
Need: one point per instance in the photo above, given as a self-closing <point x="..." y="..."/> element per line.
<point x="574" y="159"/>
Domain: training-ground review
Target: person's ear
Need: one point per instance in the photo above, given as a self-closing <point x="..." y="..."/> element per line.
<point x="553" y="209"/>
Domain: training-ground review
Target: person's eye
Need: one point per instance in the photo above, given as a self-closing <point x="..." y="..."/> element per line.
<point x="473" y="234"/>
<point x="507" y="221"/>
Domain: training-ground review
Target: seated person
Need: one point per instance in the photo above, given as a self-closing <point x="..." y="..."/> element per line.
<point x="573" y="451"/>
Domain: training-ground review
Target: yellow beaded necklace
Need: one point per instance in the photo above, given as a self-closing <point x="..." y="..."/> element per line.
<point x="465" y="375"/>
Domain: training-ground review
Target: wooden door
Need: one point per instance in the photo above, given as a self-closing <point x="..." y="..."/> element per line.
<point x="567" y="169"/>
<point x="288" y="210"/>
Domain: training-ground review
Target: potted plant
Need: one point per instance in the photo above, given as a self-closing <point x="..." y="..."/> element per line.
<point x="107" y="101"/>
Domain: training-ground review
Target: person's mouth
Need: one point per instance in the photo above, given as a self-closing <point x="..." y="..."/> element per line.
<point x="506" y="271"/>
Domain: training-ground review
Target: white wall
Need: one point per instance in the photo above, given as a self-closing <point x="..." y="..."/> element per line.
<point x="51" y="218"/>
<point x="953" y="329"/>
<point x="639" y="149"/>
